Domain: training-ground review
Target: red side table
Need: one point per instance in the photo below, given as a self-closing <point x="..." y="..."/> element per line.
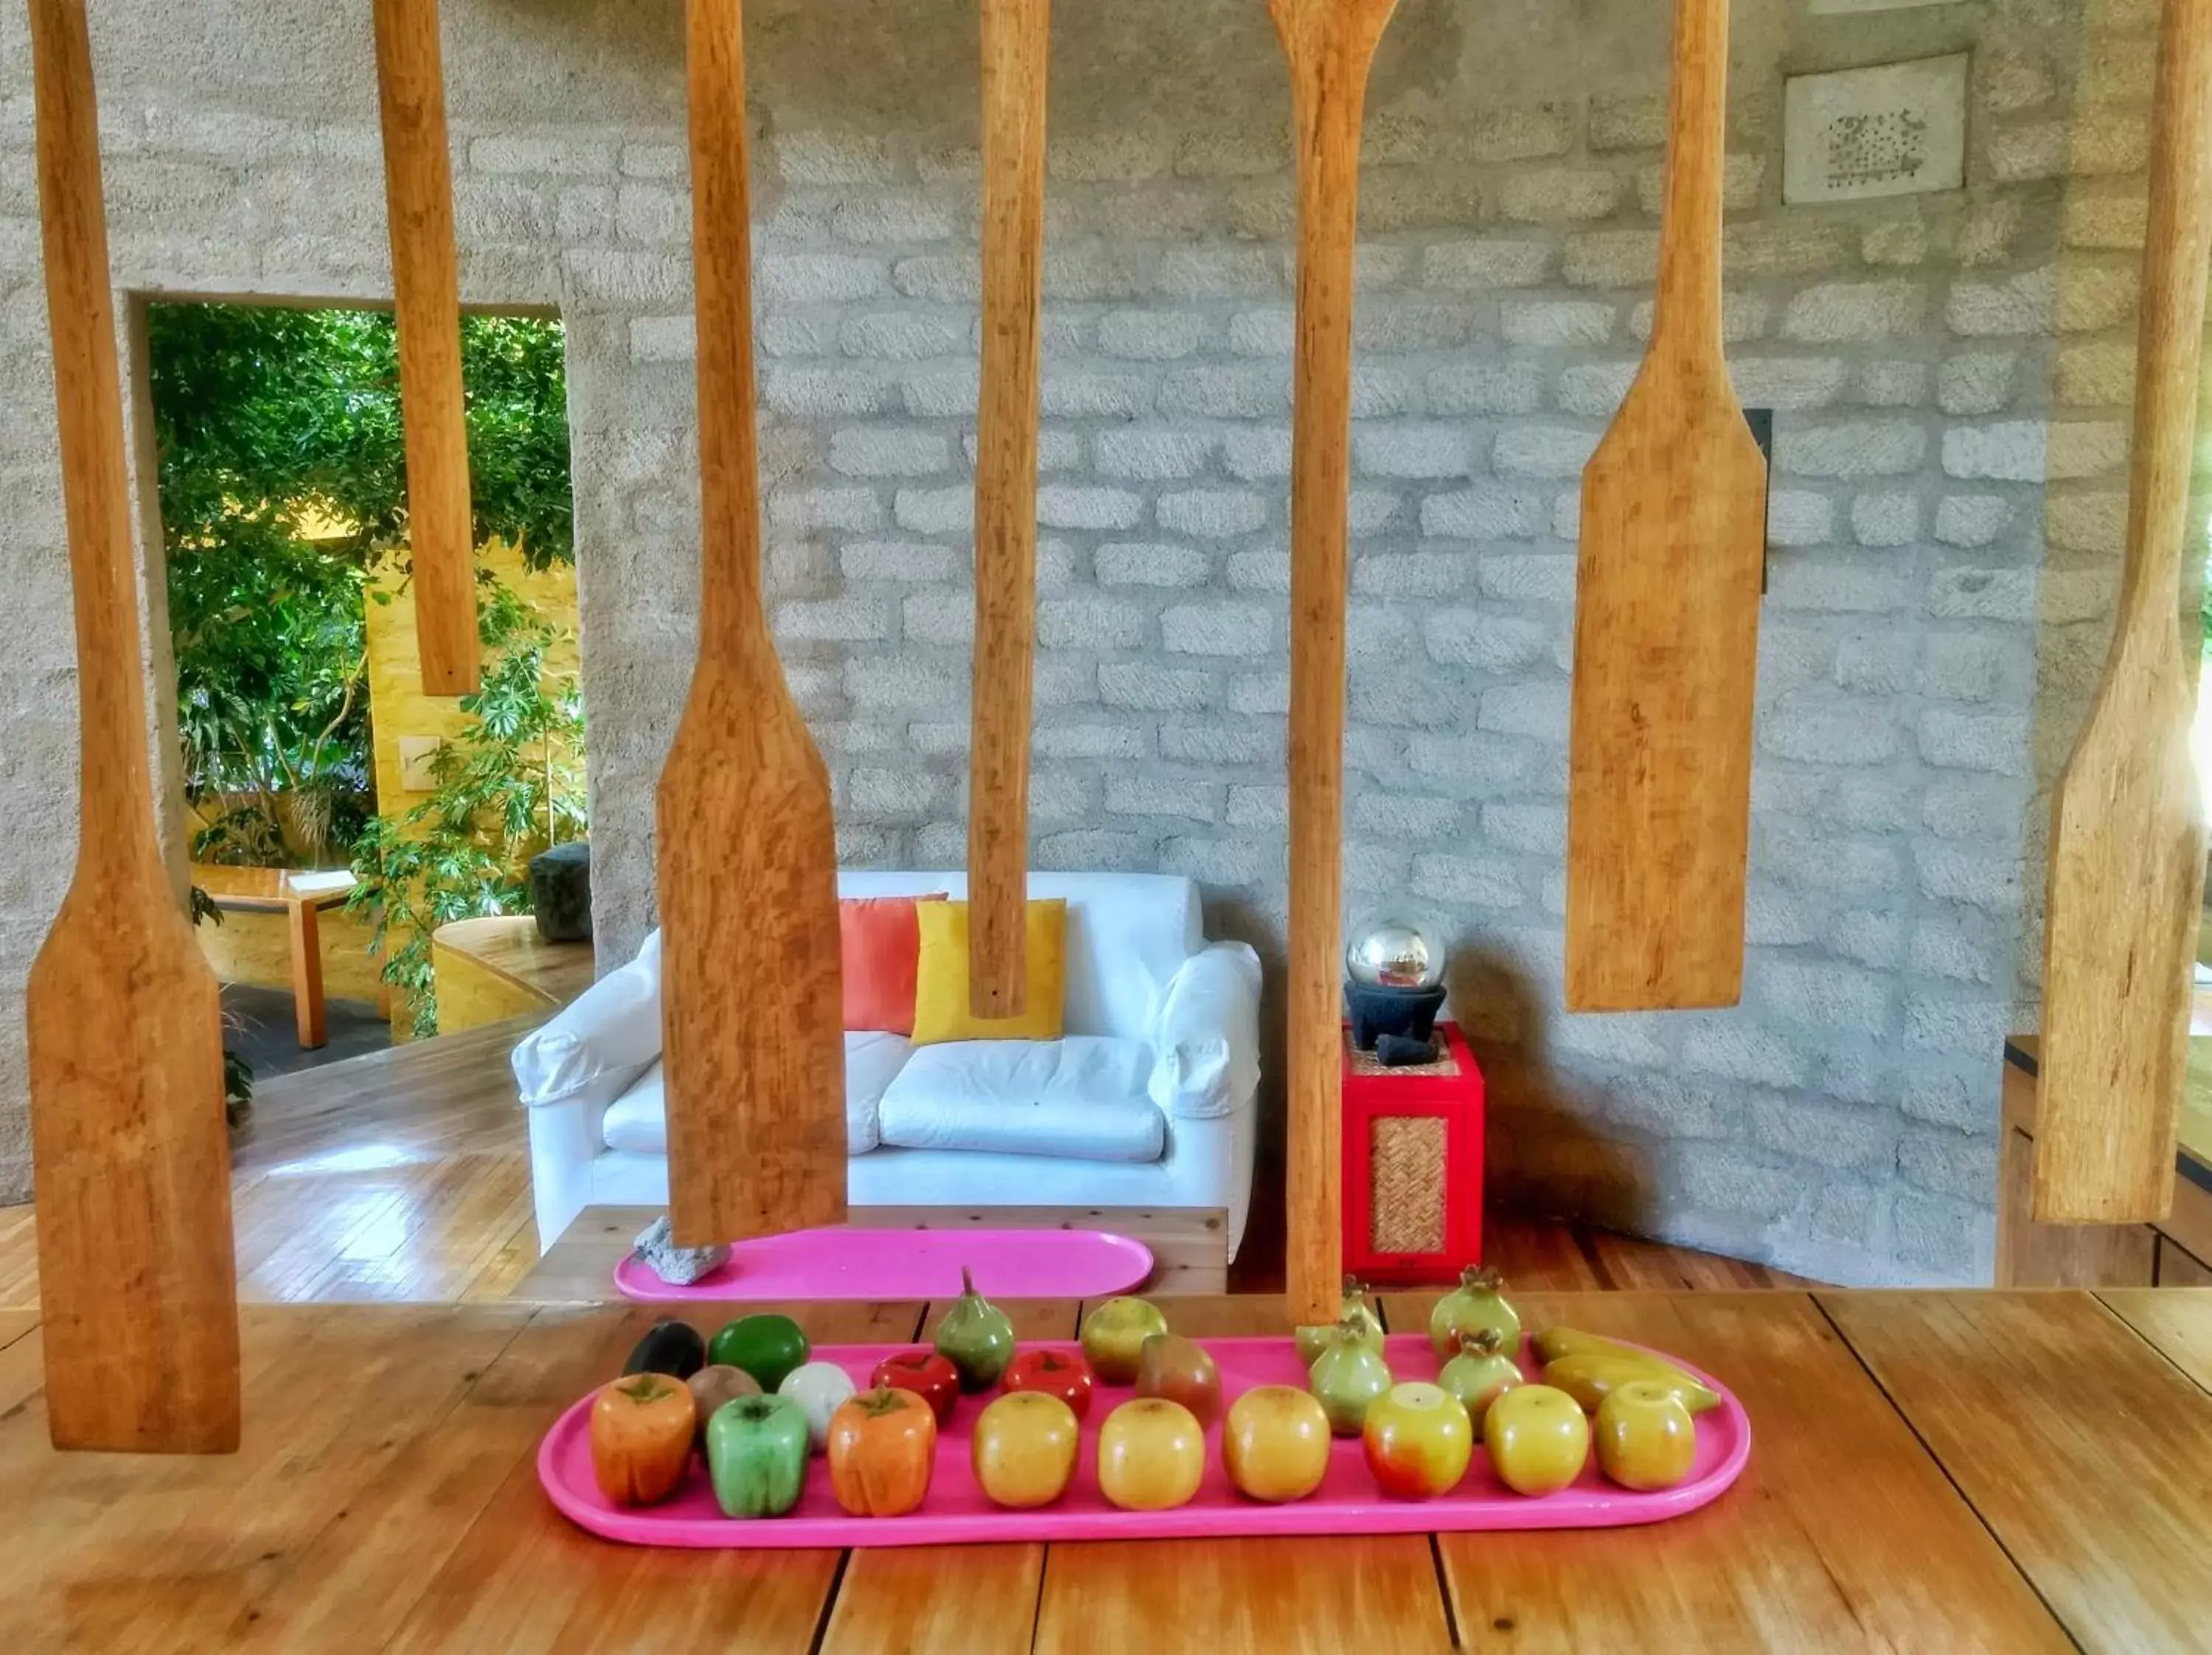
<point x="1413" y="1166"/>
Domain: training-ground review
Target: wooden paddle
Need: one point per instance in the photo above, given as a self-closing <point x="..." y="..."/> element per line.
<point x="426" y="285"/>
<point x="751" y="1014"/>
<point x="1015" y="37"/>
<point x="131" y="1158"/>
<point x="1666" y="616"/>
<point x="2127" y="823"/>
<point x="1330" y="44"/>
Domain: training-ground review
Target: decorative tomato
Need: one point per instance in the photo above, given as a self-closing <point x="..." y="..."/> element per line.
<point x="1645" y="1436"/>
<point x="1538" y="1437"/>
<point x="1061" y="1374"/>
<point x="1151" y="1454"/>
<point x="1024" y="1448"/>
<point x="1418" y="1440"/>
<point x="882" y="1446"/>
<point x="1275" y="1443"/>
<point x="929" y="1376"/>
<point x="641" y="1435"/>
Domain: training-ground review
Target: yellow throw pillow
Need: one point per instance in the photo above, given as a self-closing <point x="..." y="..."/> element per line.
<point x="940" y="983"/>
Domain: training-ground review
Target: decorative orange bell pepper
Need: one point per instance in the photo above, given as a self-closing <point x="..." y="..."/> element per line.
<point x="882" y="1446"/>
<point x="642" y="1430"/>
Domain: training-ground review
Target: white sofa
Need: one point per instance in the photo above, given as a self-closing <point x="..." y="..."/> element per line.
<point x="1146" y="1101"/>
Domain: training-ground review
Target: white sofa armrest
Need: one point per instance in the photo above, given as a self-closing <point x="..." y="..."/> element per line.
<point x="599" y="1043"/>
<point x="1206" y="1039"/>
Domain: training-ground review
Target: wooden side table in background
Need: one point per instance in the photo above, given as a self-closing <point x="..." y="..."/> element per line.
<point x="1413" y="1164"/>
<point x="300" y="897"/>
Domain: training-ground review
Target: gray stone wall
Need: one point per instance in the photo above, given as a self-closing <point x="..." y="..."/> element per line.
<point x="1933" y="363"/>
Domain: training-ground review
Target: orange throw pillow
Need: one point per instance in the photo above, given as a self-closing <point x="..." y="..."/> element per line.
<point x="881" y="944"/>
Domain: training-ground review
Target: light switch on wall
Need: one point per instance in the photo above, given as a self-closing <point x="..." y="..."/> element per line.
<point x="416" y="753"/>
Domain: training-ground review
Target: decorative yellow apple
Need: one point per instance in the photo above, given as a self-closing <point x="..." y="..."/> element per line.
<point x="1538" y="1438"/>
<point x="1275" y="1443"/>
<point x="1645" y="1436"/>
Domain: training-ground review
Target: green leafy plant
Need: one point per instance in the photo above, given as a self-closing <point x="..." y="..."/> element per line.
<point x="509" y="786"/>
<point x="237" y="1071"/>
<point x="282" y="485"/>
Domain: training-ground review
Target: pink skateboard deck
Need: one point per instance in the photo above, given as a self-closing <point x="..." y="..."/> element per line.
<point x="956" y="1511"/>
<point x="848" y="1264"/>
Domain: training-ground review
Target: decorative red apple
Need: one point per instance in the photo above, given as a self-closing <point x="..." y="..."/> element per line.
<point x="928" y="1375"/>
<point x="1061" y="1374"/>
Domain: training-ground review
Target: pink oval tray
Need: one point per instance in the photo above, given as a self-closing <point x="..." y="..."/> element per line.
<point x="955" y="1512"/>
<point x="841" y="1262"/>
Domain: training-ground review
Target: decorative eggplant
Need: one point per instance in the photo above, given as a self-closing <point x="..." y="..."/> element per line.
<point x="671" y="1347"/>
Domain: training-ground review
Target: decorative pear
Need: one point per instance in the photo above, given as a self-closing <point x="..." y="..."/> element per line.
<point x="1356" y="1307"/>
<point x="1480" y="1374"/>
<point x="1348" y="1377"/>
<point x="975" y="1337"/>
<point x="1477" y="1302"/>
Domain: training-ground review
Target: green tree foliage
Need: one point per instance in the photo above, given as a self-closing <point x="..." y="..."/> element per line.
<point x="282" y="480"/>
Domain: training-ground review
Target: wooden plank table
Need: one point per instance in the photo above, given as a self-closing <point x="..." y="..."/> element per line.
<point x="1939" y="1471"/>
<point x="274" y="890"/>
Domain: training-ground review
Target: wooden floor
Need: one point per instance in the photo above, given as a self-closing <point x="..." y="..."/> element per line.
<point x="405" y="1175"/>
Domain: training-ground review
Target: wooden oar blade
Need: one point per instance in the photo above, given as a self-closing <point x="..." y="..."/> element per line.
<point x="137" y="1282"/>
<point x="1666" y="649"/>
<point x="2127" y="885"/>
<point x="752" y="1011"/>
<point x="2127" y="829"/>
<point x="131" y="1159"/>
<point x="418" y="179"/>
<point x="1016" y="36"/>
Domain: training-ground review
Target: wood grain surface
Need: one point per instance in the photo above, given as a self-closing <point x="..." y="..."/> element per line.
<point x="1016" y="37"/>
<point x="128" y="1146"/>
<point x="2173" y="1322"/>
<point x="948" y="1600"/>
<point x="1330" y="44"/>
<point x="1674" y="516"/>
<point x="426" y="287"/>
<point x="2127" y="821"/>
<point x="2022" y="1397"/>
<point x="753" y="1041"/>
<point x="1325" y="1595"/>
<point x="386" y="1499"/>
<point x="1841" y="1533"/>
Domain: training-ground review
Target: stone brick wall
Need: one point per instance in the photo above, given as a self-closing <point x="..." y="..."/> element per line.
<point x="1934" y="615"/>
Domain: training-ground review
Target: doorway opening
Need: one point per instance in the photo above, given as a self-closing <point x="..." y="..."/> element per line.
<point x="319" y="780"/>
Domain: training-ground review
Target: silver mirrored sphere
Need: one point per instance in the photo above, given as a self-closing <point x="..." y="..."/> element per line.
<point x="1395" y="953"/>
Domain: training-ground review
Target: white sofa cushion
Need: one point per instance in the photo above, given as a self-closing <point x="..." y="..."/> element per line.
<point x="637" y="1122"/>
<point x="604" y="1039"/>
<point x="1205" y="1043"/>
<point x="1080" y="1099"/>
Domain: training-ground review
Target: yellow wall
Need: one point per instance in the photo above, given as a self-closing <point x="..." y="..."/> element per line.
<point x="401" y="716"/>
<point x="398" y="709"/>
<point x="254" y="947"/>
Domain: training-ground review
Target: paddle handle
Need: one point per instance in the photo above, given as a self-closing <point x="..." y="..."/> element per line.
<point x="731" y="619"/>
<point x="116" y="838"/>
<point x="426" y="286"/>
<point x="1329" y="44"/>
<point x="1685" y="306"/>
<point x="2177" y="245"/>
<point x="1016" y="37"/>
